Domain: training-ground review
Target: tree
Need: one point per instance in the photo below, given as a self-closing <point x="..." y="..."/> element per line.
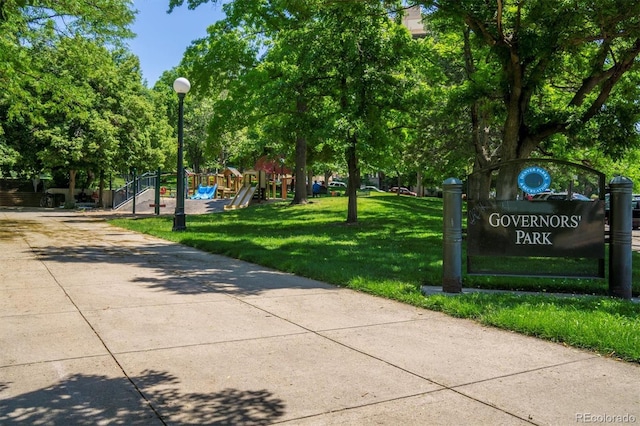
<point x="425" y="137"/>
<point x="366" y="55"/>
<point x="542" y="71"/>
<point x="318" y="76"/>
<point x="251" y="64"/>
<point x="25" y="24"/>
<point x="76" y="100"/>
<point x="32" y="85"/>
<point x="100" y="118"/>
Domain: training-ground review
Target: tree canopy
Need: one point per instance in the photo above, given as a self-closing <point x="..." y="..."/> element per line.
<point x="73" y="97"/>
<point x="315" y="78"/>
<point x="498" y="81"/>
<point x="543" y="73"/>
<point x="328" y="85"/>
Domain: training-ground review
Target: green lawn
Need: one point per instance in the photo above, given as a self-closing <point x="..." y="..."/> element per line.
<point x="395" y="249"/>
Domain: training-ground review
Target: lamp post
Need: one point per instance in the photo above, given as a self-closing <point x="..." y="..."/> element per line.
<point x="181" y="86"/>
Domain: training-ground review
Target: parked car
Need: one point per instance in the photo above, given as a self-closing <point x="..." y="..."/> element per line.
<point x="635" y="210"/>
<point x="635" y="214"/>
<point x="371" y="188"/>
<point x="403" y="191"/>
<point x="335" y="184"/>
<point x="544" y="196"/>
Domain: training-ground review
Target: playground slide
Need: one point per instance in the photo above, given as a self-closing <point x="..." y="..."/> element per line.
<point x="205" y="192"/>
<point x="211" y="192"/>
<point x="242" y="198"/>
<point x="198" y="194"/>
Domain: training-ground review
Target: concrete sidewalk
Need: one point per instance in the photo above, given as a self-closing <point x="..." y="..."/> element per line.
<point x="104" y="326"/>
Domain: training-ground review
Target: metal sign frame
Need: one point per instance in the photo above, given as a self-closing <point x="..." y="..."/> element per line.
<point x="540" y="229"/>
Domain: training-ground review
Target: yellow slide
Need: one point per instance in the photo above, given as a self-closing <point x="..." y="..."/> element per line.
<point x="242" y="198"/>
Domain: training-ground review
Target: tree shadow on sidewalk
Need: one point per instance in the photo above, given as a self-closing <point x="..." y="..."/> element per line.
<point x="175" y="269"/>
<point x="85" y="399"/>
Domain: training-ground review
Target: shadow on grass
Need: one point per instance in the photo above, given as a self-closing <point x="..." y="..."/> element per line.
<point x="86" y="399"/>
<point x="396" y="239"/>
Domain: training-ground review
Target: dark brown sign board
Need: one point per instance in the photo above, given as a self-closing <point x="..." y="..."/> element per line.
<point x="536" y="228"/>
<point x="543" y="230"/>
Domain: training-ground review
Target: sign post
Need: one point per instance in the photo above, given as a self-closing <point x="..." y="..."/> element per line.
<point x="620" y="242"/>
<point x="452" y="236"/>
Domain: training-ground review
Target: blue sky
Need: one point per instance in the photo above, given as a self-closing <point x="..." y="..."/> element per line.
<point x="162" y="38"/>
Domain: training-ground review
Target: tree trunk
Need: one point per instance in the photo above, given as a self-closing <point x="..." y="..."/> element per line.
<point x="507" y="183"/>
<point x="327" y="175"/>
<point x="353" y="182"/>
<point x="91" y="176"/>
<point x="101" y="189"/>
<point x="300" y="172"/>
<point x="300" y="196"/>
<point x="479" y="186"/>
<point x="72" y="187"/>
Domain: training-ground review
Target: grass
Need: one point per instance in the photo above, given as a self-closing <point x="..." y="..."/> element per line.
<point x="395" y="248"/>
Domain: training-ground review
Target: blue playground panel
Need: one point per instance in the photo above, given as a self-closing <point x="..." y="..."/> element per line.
<point x="205" y="192"/>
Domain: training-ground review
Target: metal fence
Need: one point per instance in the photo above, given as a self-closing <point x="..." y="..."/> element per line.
<point x="138" y="185"/>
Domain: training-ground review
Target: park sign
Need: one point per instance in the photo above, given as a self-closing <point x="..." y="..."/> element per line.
<point x="558" y="233"/>
<point x="556" y="228"/>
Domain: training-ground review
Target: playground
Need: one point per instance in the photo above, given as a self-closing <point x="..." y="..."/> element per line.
<point x="240" y="188"/>
<point x="205" y="193"/>
<point x="191" y="207"/>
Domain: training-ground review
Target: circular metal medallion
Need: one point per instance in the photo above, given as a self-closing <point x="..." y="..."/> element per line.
<point x="534" y="180"/>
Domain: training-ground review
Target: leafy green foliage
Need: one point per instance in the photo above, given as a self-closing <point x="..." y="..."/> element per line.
<point x="327" y="76"/>
<point x="535" y="70"/>
<point x="74" y="98"/>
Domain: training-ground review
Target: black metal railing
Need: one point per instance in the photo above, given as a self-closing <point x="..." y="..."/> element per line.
<point x="138" y="185"/>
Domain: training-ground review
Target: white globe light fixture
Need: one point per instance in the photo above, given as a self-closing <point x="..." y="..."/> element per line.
<point x="181" y="86"/>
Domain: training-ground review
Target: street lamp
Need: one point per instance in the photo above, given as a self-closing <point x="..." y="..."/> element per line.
<point x="181" y="86"/>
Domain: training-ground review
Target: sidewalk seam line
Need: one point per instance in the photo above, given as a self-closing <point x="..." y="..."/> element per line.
<point x="387" y="362"/>
<point x="110" y="354"/>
